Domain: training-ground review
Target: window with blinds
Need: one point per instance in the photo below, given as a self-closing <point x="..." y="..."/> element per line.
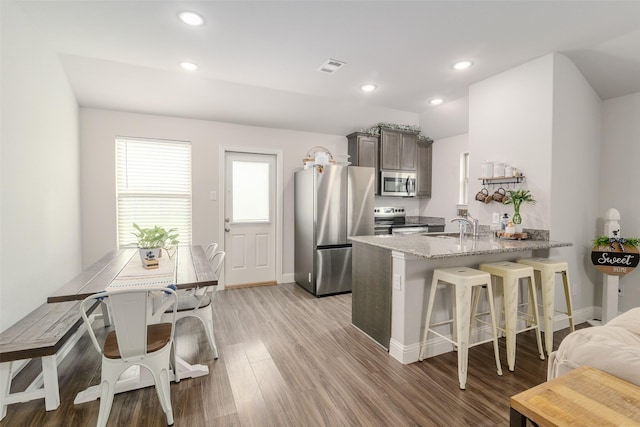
<point x="463" y="194"/>
<point x="153" y="186"/>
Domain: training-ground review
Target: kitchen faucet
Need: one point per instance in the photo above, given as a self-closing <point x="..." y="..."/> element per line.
<point x="470" y="221"/>
<point x="476" y="226"/>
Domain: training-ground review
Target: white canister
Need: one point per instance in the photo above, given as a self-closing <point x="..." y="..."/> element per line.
<point x="487" y="169"/>
<point x="498" y="170"/>
<point x="322" y="158"/>
<point x="508" y="171"/>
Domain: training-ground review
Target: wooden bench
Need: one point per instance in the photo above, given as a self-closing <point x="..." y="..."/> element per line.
<point x="48" y="332"/>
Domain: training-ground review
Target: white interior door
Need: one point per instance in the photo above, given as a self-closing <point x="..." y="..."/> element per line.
<point x="250" y="219"/>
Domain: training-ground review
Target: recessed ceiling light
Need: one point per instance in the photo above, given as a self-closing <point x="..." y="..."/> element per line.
<point x="189" y="66"/>
<point x="462" y="65"/>
<point x="191" y="18"/>
<point x="368" y="88"/>
<point x="436" y="101"/>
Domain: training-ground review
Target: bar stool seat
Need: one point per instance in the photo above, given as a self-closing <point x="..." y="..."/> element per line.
<point x="464" y="280"/>
<point x="510" y="274"/>
<point x="545" y="270"/>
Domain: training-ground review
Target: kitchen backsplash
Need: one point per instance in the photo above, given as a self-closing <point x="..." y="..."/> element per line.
<point x="431" y="220"/>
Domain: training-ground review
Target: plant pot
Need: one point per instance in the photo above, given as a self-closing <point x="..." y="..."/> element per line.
<point x="149" y="253"/>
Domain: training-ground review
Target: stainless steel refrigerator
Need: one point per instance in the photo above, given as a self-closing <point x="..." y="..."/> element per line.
<point x="331" y="204"/>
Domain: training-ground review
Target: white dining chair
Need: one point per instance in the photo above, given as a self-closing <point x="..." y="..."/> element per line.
<point x="198" y="302"/>
<point x="135" y="340"/>
<point x="211" y="250"/>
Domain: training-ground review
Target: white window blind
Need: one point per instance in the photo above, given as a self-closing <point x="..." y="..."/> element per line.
<point x="153" y="180"/>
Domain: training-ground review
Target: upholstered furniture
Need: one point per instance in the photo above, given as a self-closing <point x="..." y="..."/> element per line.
<point x="612" y="348"/>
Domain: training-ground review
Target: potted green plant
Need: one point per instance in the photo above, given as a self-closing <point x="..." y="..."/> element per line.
<point x="517" y="197"/>
<point x="152" y="240"/>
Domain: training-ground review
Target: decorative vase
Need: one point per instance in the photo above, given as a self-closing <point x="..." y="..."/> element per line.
<point x="517" y="219"/>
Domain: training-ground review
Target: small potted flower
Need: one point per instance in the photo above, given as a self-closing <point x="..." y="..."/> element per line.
<point x="152" y="240"/>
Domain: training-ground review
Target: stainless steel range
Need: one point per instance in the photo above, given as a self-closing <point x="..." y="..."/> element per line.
<point x="392" y="220"/>
<point x="386" y="217"/>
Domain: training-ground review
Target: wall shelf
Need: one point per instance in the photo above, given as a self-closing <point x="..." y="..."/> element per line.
<point x="502" y="180"/>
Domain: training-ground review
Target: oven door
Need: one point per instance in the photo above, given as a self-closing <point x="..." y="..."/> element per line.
<point x="397" y="183"/>
<point x="380" y="230"/>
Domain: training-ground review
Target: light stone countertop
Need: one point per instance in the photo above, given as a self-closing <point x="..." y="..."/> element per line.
<point x="435" y="247"/>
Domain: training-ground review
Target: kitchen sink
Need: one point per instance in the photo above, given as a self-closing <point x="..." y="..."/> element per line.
<point x="454" y="235"/>
<point x="442" y="234"/>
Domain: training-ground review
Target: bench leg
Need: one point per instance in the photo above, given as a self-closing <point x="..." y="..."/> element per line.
<point x="5" y="387"/>
<point x="50" y="378"/>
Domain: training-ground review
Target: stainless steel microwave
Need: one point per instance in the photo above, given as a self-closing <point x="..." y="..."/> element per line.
<point x="397" y="183"/>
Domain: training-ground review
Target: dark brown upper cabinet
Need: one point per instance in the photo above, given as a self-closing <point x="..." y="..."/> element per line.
<point x="363" y="151"/>
<point x="398" y="150"/>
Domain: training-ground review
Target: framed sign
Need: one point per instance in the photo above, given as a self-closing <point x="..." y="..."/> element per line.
<point x="615" y="258"/>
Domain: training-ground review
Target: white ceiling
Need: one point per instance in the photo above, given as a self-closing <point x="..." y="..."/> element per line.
<point x="258" y="59"/>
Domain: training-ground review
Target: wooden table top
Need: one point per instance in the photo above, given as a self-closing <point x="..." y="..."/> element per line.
<point x="584" y="397"/>
<point x="192" y="269"/>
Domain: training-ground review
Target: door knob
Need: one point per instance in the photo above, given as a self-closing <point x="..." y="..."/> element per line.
<point x="227" y="229"/>
<point x="227" y="220"/>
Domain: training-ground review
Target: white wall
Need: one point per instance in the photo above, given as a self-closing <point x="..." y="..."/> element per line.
<point x="577" y="136"/>
<point x="545" y="119"/>
<point x="620" y="179"/>
<point x="510" y="120"/>
<point x="446" y="120"/>
<point x="448" y="126"/>
<point x="446" y="178"/>
<point x="99" y="129"/>
<point x="40" y="212"/>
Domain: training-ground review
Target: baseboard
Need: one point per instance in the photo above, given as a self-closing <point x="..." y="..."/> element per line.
<point x="288" y="278"/>
<point x="406" y="354"/>
<point x="561" y="321"/>
<point x="436" y="346"/>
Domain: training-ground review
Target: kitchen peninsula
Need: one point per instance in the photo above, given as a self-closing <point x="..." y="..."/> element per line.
<point x="392" y="277"/>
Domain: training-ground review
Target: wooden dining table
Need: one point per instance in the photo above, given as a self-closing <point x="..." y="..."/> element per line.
<point x="190" y="268"/>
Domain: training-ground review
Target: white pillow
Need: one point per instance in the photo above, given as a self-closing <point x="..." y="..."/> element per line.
<point x="613" y="348"/>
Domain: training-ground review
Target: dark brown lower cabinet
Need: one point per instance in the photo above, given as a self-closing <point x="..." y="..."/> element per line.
<point x="371" y="292"/>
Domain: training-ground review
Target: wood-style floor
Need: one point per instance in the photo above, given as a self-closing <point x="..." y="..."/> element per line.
<point x="290" y="359"/>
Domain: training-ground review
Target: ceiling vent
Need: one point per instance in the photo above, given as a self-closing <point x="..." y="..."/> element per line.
<point x="331" y="66"/>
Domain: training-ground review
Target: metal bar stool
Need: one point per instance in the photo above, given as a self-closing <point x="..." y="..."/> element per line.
<point x="464" y="280"/>
<point x="545" y="270"/>
<point x="511" y="273"/>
